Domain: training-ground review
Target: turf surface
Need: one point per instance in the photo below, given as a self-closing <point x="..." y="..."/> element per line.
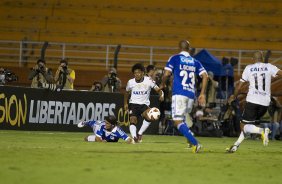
<point x="58" y="157"/>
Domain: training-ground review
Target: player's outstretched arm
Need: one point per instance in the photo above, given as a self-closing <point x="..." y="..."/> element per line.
<point x="160" y="92"/>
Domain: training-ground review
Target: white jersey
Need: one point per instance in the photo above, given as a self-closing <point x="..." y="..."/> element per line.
<point x="259" y="76"/>
<point x="140" y="92"/>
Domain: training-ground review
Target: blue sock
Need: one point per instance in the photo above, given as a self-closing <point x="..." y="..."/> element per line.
<point x="183" y="128"/>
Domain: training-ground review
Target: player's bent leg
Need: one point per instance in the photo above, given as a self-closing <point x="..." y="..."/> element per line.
<point x="144" y="127"/>
<point x="240" y="139"/>
<point x="90" y="138"/>
<point x="232" y="149"/>
<point x="196" y="148"/>
<point x="185" y="131"/>
<point x="264" y="136"/>
<point x="132" y="128"/>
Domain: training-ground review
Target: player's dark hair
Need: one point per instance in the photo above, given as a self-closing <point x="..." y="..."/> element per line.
<point x="111" y="119"/>
<point x="138" y="66"/>
<point x="150" y="67"/>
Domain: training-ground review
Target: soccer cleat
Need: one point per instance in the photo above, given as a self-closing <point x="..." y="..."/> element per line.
<point x="135" y="139"/>
<point x="189" y="146"/>
<point x="232" y="149"/>
<point x="196" y="148"/>
<point x="81" y="124"/>
<point x="139" y="137"/>
<point x="264" y="136"/>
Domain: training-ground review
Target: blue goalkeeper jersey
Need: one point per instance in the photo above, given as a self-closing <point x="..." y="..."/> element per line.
<point x="185" y="69"/>
<point x="113" y="136"/>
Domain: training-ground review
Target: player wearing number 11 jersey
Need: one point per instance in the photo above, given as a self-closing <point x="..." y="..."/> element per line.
<point x="184" y="69"/>
<point x="259" y="77"/>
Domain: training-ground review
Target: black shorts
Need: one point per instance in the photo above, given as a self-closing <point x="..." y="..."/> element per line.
<point x="253" y="112"/>
<point x="137" y="109"/>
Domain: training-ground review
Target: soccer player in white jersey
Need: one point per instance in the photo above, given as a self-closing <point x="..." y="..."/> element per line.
<point x="139" y="89"/>
<point x="184" y="69"/>
<point x="105" y="131"/>
<point x="259" y="77"/>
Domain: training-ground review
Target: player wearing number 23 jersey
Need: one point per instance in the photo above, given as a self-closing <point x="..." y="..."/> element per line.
<point x="184" y="69"/>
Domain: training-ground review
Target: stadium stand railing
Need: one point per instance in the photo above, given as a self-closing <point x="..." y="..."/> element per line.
<point x="89" y="56"/>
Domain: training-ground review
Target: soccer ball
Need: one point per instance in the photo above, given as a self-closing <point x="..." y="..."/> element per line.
<point x="154" y="113"/>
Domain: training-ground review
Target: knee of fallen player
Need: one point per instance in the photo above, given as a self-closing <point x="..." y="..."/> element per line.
<point x="90" y="138"/>
<point x="93" y="138"/>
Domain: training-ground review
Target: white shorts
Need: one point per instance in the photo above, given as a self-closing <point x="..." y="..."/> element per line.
<point x="181" y="106"/>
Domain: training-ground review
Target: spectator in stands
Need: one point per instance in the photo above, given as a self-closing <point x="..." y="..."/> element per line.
<point x="206" y="122"/>
<point x="165" y="106"/>
<point x="268" y="122"/>
<point x="211" y="90"/>
<point x="40" y="74"/>
<point x="97" y="86"/>
<point x="155" y="74"/>
<point x="111" y="83"/>
<point x="230" y="115"/>
<point x="65" y="76"/>
<point x="272" y="118"/>
<point x="150" y="71"/>
<point x="2" y="76"/>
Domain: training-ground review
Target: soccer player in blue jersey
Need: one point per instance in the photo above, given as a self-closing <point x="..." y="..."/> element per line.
<point x="105" y="131"/>
<point x="184" y="69"/>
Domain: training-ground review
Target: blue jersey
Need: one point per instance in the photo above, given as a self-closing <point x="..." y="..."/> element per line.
<point x="112" y="136"/>
<point x="184" y="69"/>
<point x="95" y="125"/>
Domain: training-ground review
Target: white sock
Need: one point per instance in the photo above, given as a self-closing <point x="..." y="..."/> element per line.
<point x="240" y="139"/>
<point x="144" y="127"/>
<point x="132" y="129"/>
<point x="91" y="138"/>
<point x="248" y="128"/>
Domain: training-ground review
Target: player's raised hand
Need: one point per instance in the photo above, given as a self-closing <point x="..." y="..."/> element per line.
<point x="202" y="100"/>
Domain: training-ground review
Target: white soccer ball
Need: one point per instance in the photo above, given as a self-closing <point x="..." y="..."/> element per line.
<point x="154" y="113"/>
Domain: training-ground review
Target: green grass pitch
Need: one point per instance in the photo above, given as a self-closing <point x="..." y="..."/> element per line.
<point x="28" y="157"/>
